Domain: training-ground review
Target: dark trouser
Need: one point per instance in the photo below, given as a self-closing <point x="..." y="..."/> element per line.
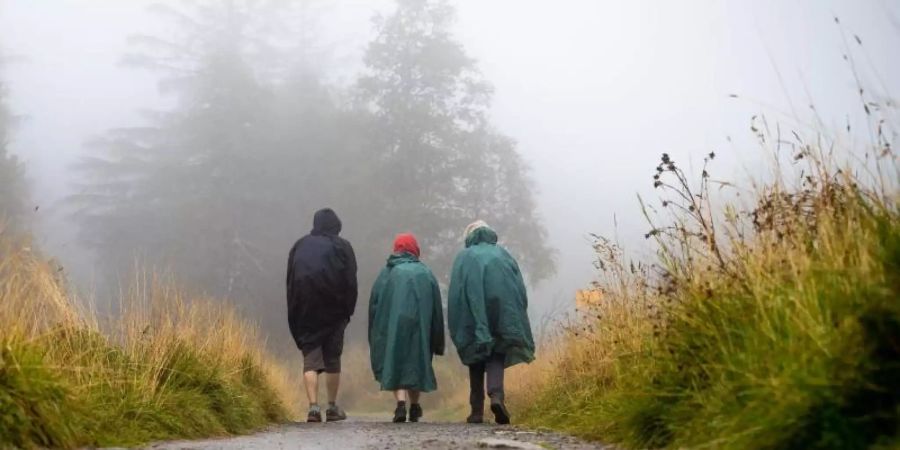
<point x="494" y="368"/>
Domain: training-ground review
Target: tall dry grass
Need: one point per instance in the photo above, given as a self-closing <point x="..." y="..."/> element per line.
<point x="768" y="322"/>
<point x="169" y="367"/>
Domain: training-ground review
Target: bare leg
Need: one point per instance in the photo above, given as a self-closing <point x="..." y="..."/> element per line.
<point x="400" y="395"/>
<point x="332" y="383"/>
<point x="311" y="380"/>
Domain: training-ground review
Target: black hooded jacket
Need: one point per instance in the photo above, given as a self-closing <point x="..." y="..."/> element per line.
<point x="321" y="282"/>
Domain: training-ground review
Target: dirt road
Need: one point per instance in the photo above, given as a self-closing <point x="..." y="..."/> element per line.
<point x="358" y="434"/>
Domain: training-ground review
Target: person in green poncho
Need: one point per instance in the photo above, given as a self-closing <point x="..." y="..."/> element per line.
<point x="488" y="318"/>
<point x="406" y="327"/>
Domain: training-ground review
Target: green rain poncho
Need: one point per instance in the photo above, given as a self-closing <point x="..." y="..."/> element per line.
<point x="406" y="325"/>
<point x="487" y="306"/>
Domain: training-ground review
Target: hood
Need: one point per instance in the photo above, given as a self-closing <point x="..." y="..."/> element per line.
<point x="326" y="222"/>
<point x="401" y="258"/>
<point x="481" y="235"/>
<point x="473" y="226"/>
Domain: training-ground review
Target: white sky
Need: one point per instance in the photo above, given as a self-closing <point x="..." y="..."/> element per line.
<point x="594" y="91"/>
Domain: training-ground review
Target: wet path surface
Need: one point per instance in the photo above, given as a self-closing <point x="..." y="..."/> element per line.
<point x="355" y="434"/>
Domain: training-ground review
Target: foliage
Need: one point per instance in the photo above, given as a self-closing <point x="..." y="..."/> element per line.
<point x="769" y="318"/>
<point x="170" y="367"/>
<point x="183" y="190"/>
<point x="768" y="326"/>
<point x="437" y="163"/>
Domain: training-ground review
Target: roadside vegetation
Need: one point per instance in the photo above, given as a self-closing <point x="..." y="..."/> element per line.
<point x="770" y="319"/>
<point x="169" y="367"/>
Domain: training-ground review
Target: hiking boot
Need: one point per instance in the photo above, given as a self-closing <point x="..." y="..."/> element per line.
<point x="400" y="414"/>
<point x="501" y="414"/>
<point x="477" y="415"/>
<point x="335" y="414"/>
<point x="314" y="415"/>
<point x="415" y="412"/>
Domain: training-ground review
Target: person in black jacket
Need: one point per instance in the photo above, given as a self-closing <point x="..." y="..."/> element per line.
<point x="321" y="297"/>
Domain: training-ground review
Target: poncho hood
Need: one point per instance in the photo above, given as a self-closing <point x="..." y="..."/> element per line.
<point x="481" y="235"/>
<point x="326" y="222"/>
<point x="401" y="258"/>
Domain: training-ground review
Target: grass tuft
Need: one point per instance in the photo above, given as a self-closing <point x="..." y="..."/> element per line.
<point x="768" y="325"/>
<point x="170" y="367"/>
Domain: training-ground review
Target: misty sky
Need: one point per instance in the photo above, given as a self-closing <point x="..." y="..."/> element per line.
<point x="593" y="91"/>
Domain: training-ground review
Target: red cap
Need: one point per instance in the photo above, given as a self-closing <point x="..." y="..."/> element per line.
<point x="406" y="242"/>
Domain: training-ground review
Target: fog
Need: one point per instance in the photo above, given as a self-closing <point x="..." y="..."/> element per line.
<point x="592" y="92"/>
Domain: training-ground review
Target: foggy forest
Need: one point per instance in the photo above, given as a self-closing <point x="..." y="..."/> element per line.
<point x="191" y="141"/>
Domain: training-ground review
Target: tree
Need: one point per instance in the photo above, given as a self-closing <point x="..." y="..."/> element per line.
<point x="211" y="189"/>
<point x="219" y="186"/>
<point x="437" y="162"/>
<point x="13" y="189"/>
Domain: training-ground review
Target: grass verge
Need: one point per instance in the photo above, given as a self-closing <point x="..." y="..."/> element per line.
<point x="170" y="367"/>
<point x="769" y="325"/>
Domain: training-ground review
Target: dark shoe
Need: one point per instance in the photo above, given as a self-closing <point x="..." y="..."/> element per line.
<point x="314" y="415"/>
<point x="415" y="412"/>
<point x="400" y="414"/>
<point x="335" y="414"/>
<point x="477" y="415"/>
<point x="501" y="415"/>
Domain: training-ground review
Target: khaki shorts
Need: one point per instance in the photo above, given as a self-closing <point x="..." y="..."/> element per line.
<point x="327" y="357"/>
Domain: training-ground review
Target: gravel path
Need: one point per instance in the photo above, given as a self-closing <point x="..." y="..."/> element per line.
<point x="364" y="434"/>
